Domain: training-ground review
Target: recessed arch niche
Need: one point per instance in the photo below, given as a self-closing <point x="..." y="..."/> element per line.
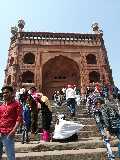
<point x="57" y="73"/>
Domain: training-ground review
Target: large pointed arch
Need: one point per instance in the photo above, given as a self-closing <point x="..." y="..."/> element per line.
<point x="58" y="72"/>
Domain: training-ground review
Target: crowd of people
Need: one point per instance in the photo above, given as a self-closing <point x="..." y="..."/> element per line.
<point x="103" y="104"/>
<point x="19" y="113"/>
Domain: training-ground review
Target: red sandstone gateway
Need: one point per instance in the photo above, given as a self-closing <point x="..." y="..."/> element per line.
<point x="49" y="61"/>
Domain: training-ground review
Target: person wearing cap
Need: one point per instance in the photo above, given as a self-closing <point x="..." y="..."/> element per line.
<point x="108" y="123"/>
<point x="70" y="98"/>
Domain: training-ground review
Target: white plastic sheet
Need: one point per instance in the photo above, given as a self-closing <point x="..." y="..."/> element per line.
<point x="65" y="129"/>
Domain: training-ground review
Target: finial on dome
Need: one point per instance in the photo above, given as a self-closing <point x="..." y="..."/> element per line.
<point x="21" y="24"/>
<point x="95" y="27"/>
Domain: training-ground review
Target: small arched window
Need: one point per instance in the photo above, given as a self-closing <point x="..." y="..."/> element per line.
<point x="11" y="61"/>
<point x="9" y="80"/>
<point x="29" y="58"/>
<point x="28" y="77"/>
<point x="91" y="59"/>
<point x="94" y="77"/>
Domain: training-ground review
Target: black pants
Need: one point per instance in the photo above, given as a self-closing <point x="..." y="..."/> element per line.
<point x="25" y="136"/>
<point x="72" y="138"/>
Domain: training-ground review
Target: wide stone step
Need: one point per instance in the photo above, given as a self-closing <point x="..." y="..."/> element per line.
<point x="88" y="134"/>
<point x="64" y="109"/>
<point x="88" y="143"/>
<point x="82" y="134"/>
<point x="84" y="143"/>
<point x="81" y="154"/>
<point x="81" y="115"/>
<point x="67" y="115"/>
<point x="85" y="121"/>
<point x="92" y="128"/>
<point x="88" y="148"/>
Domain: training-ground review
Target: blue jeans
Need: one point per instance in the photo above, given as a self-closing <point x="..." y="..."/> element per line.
<point x="8" y="142"/>
<point x="71" y="104"/>
<point x="105" y="139"/>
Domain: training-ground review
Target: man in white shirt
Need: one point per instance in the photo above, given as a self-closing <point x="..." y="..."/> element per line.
<point x="70" y="97"/>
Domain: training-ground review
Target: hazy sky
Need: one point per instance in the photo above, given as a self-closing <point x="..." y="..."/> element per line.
<point x="63" y="16"/>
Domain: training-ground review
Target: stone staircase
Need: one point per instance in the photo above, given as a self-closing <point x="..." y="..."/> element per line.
<point x="90" y="149"/>
<point x="82" y="117"/>
<point x="90" y="146"/>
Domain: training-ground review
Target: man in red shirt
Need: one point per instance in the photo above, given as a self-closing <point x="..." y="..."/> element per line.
<point x="10" y="118"/>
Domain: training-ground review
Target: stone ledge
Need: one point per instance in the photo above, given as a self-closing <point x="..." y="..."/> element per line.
<point x="81" y="154"/>
<point x="36" y="146"/>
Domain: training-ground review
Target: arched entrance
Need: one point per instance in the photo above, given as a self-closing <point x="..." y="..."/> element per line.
<point x="57" y="73"/>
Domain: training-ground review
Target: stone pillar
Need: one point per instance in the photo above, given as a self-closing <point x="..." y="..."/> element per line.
<point x="40" y="83"/>
<point x="103" y="67"/>
<point x="41" y="68"/>
<point x="82" y="73"/>
<point x="16" y="67"/>
<point x="38" y="71"/>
